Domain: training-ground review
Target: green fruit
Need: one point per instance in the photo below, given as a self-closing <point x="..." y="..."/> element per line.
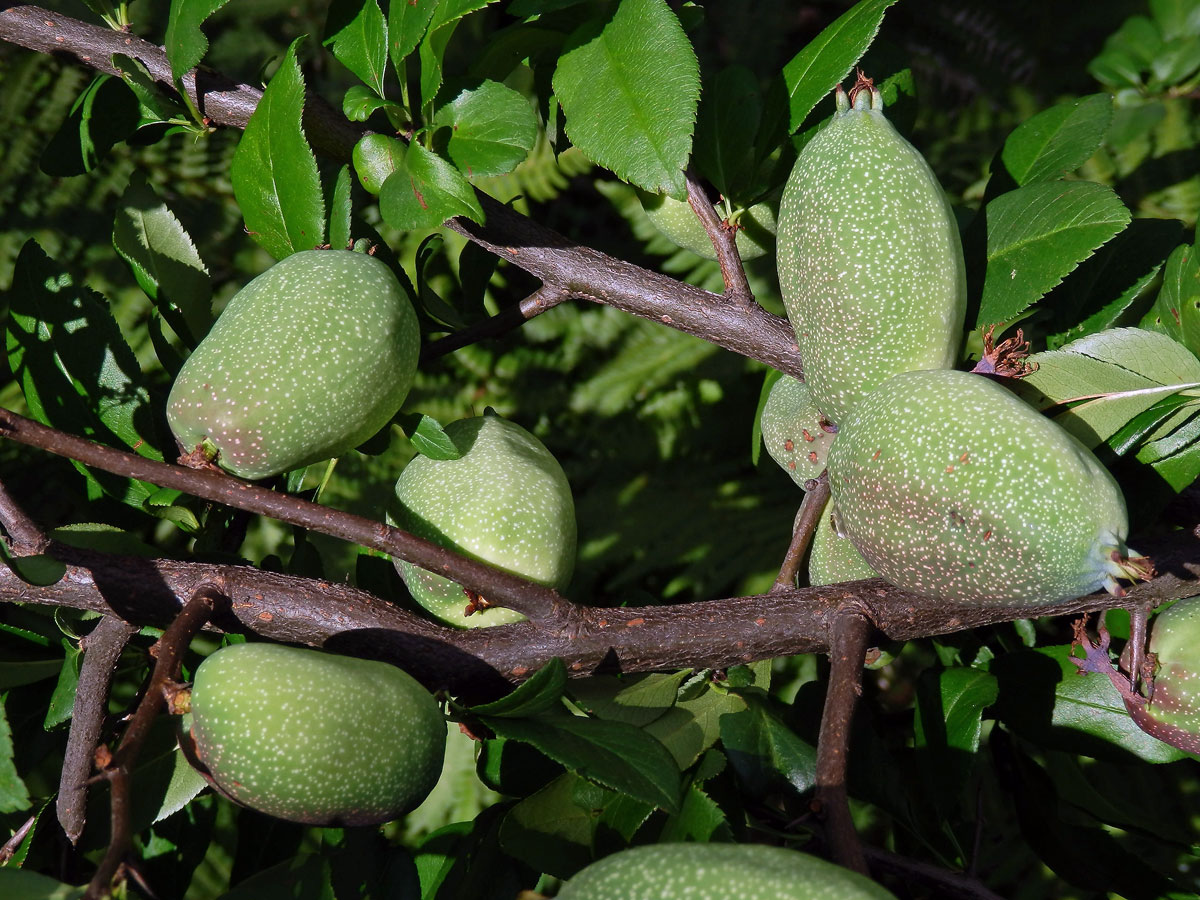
<point x="832" y="558"/>
<point x="505" y="501"/>
<point x="1175" y="643"/>
<point x="676" y="220"/>
<point x="314" y="737"/>
<point x="792" y="432"/>
<point x="717" y="872"/>
<point x="307" y="361"/>
<point x="950" y="486"/>
<point x="869" y="259"/>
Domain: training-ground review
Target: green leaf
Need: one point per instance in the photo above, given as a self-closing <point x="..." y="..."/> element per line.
<point x="1115" y="375"/>
<point x="16" y="673"/>
<point x="360" y="102"/>
<point x="555" y="830"/>
<point x="376" y="157"/>
<point x="62" y="701"/>
<point x="1057" y="140"/>
<point x="274" y="173"/>
<point x="406" y="26"/>
<point x="948" y="727"/>
<point x="14" y="796"/>
<point x="1037" y="234"/>
<point x="357" y="33"/>
<point x="700" y="819"/>
<point x="21" y="884"/>
<point x="433" y="46"/>
<point x="341" y="211"/>
<point x="828" y="58"/>
<point x="634" y="699"/>
<point x="74" y="367"/>
<point x="632" y="117"/>
<point x="764" y="751"/>
<point x="1180" y="289"/>
<point x="157" y="105"/>
<point x="428" y="436"/>
<point x="540" y="693"/>
<point x="104" y="114"/>
<point x="426" y="192"/>
<point x="163" y="259"/>
<point x="1044" y="698"/>
<point x="493" y="128"/>
<point x="185" y="42"/>
<point x="613" y="754"/>
<point x="730" y="112"/>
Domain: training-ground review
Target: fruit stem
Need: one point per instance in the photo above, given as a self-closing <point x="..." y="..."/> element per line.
<point x="802" y="531"/>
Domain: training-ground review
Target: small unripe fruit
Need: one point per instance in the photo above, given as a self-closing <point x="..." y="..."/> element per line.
<point x="793" y="432"/>
<point x="678" y="222"/>
<point x="1175" y="643"/>
<point x="306" y="362"/>
<point x="952" y="487"/>
<point x="832" y="558"/>
<point x="717" y="872"/>
<point x="869" y="258"/>
<point x="315" y="737"/>
<point x="505" y="501"/>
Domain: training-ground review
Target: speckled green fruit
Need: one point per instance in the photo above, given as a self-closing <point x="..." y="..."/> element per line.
<point x="869" y="258"/>
<point x="832" y="558"/>
<point x="792" y="431"/>
<point x="1175" y="642"/>
<point x="717" y="872"/>
<point x="952" y="487"/>
<point x="676" y="220"/>
<point x="306" y="362"/>
<point x="314" y="737"/>
<point x="505" y="501"/>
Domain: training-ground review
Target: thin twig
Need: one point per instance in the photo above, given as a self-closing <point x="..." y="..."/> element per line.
<point x="851" y="630"/>
<point x="536" y="602"/>
<point x="508" y="319"/>
<point x="944" y="883"/>
<point x="169" y="651"/>
<point x="102" y="648"/>
<point x="9" y="850"/>
<point x="803" y="529"/>
<point x="724" y="241"/>
<point x="27" y="537"/>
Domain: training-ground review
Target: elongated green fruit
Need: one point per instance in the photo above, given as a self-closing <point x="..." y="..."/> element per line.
<point x="306" y="362"/>
<point x="505" y="501"/>
<point x="952" y="487"/>
<point x="832" y="558"/>
<point x="717" y="872"/>
<point x="314" y="737"/>
<point x="869" y="259"/>
<point x="792" y="430"/>
<point x="1175" y="642"/>
<point x="676" y="220"/>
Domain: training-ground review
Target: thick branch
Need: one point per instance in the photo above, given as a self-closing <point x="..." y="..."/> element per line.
<point x="562" y="265"/>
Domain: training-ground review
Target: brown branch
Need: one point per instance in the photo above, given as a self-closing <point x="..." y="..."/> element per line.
<point x="562" y="265"/>
<point x="26" y="537"/>
<point x="509" y="318"/>
<point x="169" y="649"/>
<point x="101" y="650"/>
<point x="539" y="604"/>
<point x="851" y="629"/>
<point x="945" y="884"/>
<point x="724" y="241"/>
<point x="805" y="526"/>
